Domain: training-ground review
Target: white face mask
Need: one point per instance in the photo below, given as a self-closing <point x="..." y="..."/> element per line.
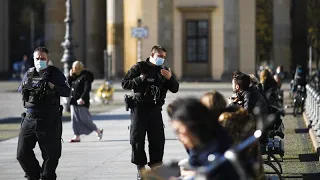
<point x="40" y="64"/>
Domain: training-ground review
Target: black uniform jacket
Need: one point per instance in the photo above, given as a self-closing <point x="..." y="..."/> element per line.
<point x="133" y="81"/>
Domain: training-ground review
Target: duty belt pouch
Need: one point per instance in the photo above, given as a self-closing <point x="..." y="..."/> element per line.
<point x="128" y="99"/>
<point x="23" y="115"/>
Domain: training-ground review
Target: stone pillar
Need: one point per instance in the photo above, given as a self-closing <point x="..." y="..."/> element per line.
<point x="55" y="13"/>
<point x="115" y="36"/>
<point x="132" y="12"/>
<point x="299" y="29"/>
<point x="165" y="29"/>
<point x="4" y="38"/>
<point x="79" y="30"/>
<point x="281" y="33"/>
<point x="149" y="17"/>
<point x="96" y="36"/>
<point x="231" y="38"/>
<point x="247" y="45"/>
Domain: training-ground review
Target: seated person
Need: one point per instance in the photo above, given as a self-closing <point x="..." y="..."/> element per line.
<point x="198" y="129"/>
<point x="240" y="126"/>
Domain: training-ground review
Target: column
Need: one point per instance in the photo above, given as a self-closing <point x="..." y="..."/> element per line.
<point x="96" y="36"/>
<point x="79" y="30"/>
<point x="165" y="29"/>
<point x="231" y="38"/>
<point x="115" y="36"/>
<point x="299" y="38"/>
<point x="281" y="33"/>
<point x="4" y="38"/>
<point x="149" y="17"/>
<point x="55" y="13"/>
<point x="247" y="14"/>
<point x="132" y="12"/>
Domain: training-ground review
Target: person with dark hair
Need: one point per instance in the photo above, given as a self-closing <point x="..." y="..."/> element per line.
<point x="247" y="96"/>
<point x="300" y="78"/>
<point x="270" y="88"/>
<point x="279" y="76"/>
<point x="199" y="130"/>
<point x="156" y="47"/>
<point x="150" y="80"/>
<point x="41" y="88"/>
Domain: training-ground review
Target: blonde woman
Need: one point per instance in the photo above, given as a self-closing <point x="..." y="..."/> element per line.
<point x="80" y="81"/>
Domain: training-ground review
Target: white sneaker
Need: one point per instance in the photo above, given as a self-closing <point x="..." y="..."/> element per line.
<point x="99" y="137"/>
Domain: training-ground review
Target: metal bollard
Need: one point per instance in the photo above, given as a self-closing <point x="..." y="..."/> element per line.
<point x="308" y="101"/>
<point x="311" y="104"/>
<point x="315" y="124"/>
<point x="309" y="96"/>
<point x="314" y="104"/>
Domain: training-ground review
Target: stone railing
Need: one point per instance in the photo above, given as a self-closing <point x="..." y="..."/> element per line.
<point x="312" y="112"/>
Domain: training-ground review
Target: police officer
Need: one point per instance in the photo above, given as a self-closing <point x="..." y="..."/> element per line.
<point x="41" y="88"/>
<point x="150" y="80"/>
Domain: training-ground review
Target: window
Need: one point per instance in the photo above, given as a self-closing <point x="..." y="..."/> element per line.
<point x="197" y="40"/>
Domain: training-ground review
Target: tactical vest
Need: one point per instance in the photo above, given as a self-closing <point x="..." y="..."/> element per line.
<point x="36" y="93"/>
<point x="153" y="88"/>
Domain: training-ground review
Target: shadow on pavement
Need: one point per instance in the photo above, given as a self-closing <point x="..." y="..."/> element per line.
<point x="124" y="140"/>
<point x="18" y="120"/>
<point x="311" y="176"/>
<point x="308" y="157"/>
<point x="108" y="117"/>
<point x="301" y="130"/>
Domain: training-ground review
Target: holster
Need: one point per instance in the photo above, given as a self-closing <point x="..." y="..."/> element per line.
<point x="23" y="115"/>
<point x="61" y="110"/>
<point x="129" y="101"/>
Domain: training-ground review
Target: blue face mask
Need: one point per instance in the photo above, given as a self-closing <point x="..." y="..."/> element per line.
<point x="159" y="61"/>
<point x="40" y="64"/>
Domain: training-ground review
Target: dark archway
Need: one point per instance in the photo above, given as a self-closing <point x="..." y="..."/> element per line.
<point x="26" y="21"/>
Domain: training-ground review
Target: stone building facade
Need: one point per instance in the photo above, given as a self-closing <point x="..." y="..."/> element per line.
<point x="205" y="39"/>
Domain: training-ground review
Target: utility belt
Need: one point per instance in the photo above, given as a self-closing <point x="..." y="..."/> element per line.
<point x="136" y="99"/>
<point x="43" y="112"/>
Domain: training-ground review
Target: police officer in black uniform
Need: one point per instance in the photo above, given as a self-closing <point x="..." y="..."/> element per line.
<point x="41" y="88"/>
<point x="150" y="80"/>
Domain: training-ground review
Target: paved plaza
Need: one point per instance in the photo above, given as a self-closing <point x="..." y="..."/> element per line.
<point x="110" y="158"/>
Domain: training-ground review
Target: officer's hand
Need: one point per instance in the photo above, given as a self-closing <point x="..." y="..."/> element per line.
<point x="51" y="85"/>
<point x="167" y="74"/>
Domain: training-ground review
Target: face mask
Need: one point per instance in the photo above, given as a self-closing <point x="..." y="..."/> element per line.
<point x="159" y="61"/>
<point x="40" y="65"/>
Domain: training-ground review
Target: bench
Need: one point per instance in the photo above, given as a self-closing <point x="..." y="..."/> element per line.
<point x="274" y="147"/>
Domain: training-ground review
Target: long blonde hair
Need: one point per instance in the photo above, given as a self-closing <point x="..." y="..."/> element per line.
<point x="77" y="67"/>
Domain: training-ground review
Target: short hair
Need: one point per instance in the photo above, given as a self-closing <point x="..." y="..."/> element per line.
<point x="42" y="49"/>
<point x="158" y="48"/>
<point x="243" y="80"/>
